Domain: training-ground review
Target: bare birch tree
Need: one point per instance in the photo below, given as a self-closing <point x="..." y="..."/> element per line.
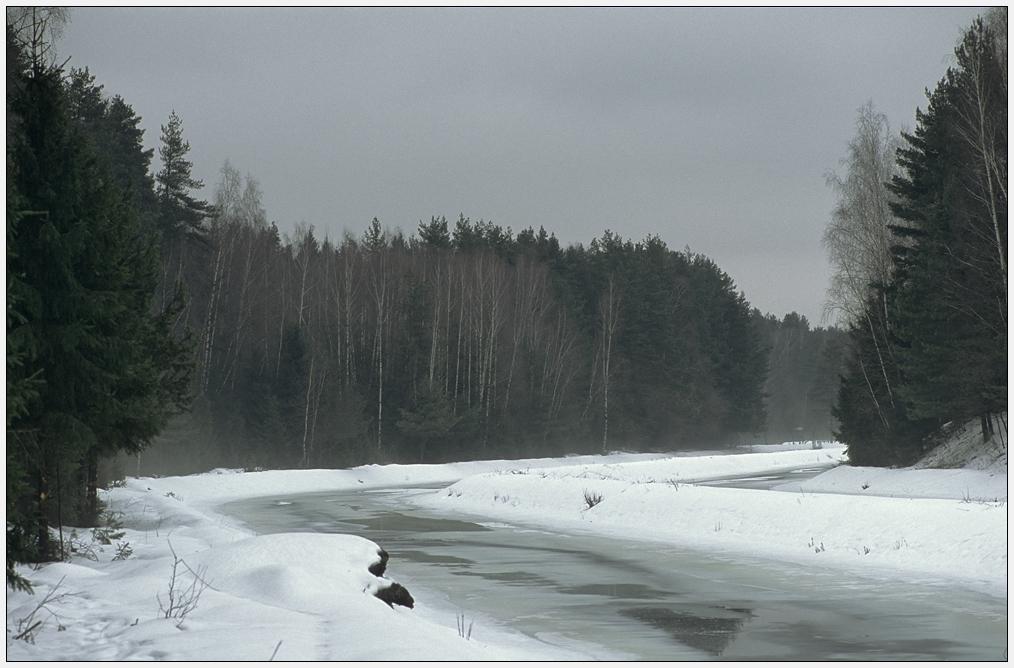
<point x="609" y="312"/>
<point x="35" y="29"/>
<point x="858" y="237"/>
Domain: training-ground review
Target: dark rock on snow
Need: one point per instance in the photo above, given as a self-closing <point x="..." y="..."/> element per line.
<point x="381" y="566"/>
<point x="395" y="594"/>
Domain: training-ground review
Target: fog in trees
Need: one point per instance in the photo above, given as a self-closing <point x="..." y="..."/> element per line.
<point x="454" y="344"/>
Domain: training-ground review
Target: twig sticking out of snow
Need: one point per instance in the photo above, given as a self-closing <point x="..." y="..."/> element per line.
<point x="182" y="599"/>
<point x="28" y="626"/>
<point x="466" y="634"/>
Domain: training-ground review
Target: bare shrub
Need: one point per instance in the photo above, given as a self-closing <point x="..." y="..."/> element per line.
<point x="182" y="598"/>
<point x="30" y="625"/>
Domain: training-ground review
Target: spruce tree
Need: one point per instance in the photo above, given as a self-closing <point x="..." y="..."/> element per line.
<point x="950" y="305"/>
<point x="114" y="133"/>
<point x="431" y="421"/>
<point x="22" y="390"/>
<point x="112" y="371"/>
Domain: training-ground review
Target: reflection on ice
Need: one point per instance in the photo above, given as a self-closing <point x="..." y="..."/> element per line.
<point x="426" y="557"/>
<point x="710" y="634"/>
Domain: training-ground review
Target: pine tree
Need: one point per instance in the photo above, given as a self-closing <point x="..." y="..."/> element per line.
<point x="85" y="103"/>
<point x="180" y="214"/>
<point x="737" y="362"/>
<point x="435" y="233"/>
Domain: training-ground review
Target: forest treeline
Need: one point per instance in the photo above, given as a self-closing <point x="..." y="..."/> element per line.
<point x="465" y="341"/>
<point x="918" y="243"/>
<point x="181" y="333"/>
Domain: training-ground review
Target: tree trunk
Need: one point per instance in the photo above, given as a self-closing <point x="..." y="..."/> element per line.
<point x="92" y="497"/>
<point x="610" y="319"/>
<point x="304" y="461"/>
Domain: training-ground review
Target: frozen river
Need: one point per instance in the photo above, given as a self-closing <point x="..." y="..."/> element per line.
<point x="616" y="599"/>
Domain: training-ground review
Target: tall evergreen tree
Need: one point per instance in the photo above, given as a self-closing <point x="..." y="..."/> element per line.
<point x="113" y="129"/>
<point x="732" y="343"/>
<point x="435" y="233"/>
<point x="180" y="214"/>
<point x="877" y="430"/>
<point x="112" y="371"/>
<point x="22" y="390"/>
<point x="950" y="307"/>
<point x="431" y="420"/>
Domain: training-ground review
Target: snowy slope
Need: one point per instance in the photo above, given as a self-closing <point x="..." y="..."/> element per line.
<point x="962" y="446"/>
<point x="962" y="467"/>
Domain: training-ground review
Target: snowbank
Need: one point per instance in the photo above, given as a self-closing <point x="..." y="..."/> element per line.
<point x="294" y="597"/>
<point x="969" y="485"/>
<point x="908" y="523"/>
<point x="291" y="596"/>
<point x="310" y="596"/>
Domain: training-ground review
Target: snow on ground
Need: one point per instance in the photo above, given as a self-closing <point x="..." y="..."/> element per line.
<point x="936" y="524"/>
<point x="310" y="596"/>
<point x="962" y="446"/>
<point x="292" y="596"/>
<point x="969" y="485"/>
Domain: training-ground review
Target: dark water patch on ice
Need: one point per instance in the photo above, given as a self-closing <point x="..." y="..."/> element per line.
<point x="707" y="633"/>
<point x="421" y="557"/>
<point x="520" y="578"/>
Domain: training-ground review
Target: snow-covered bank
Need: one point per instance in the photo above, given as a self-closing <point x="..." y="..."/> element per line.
<point x="291" y="596"/>
<point x="969" y="485"/>
<point x="305" y="596"/>
<point x="309" y="596"/>
<point x="953" y="526"/>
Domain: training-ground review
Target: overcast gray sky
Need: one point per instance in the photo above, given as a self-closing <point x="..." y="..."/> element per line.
<point x="712" y="128"/>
